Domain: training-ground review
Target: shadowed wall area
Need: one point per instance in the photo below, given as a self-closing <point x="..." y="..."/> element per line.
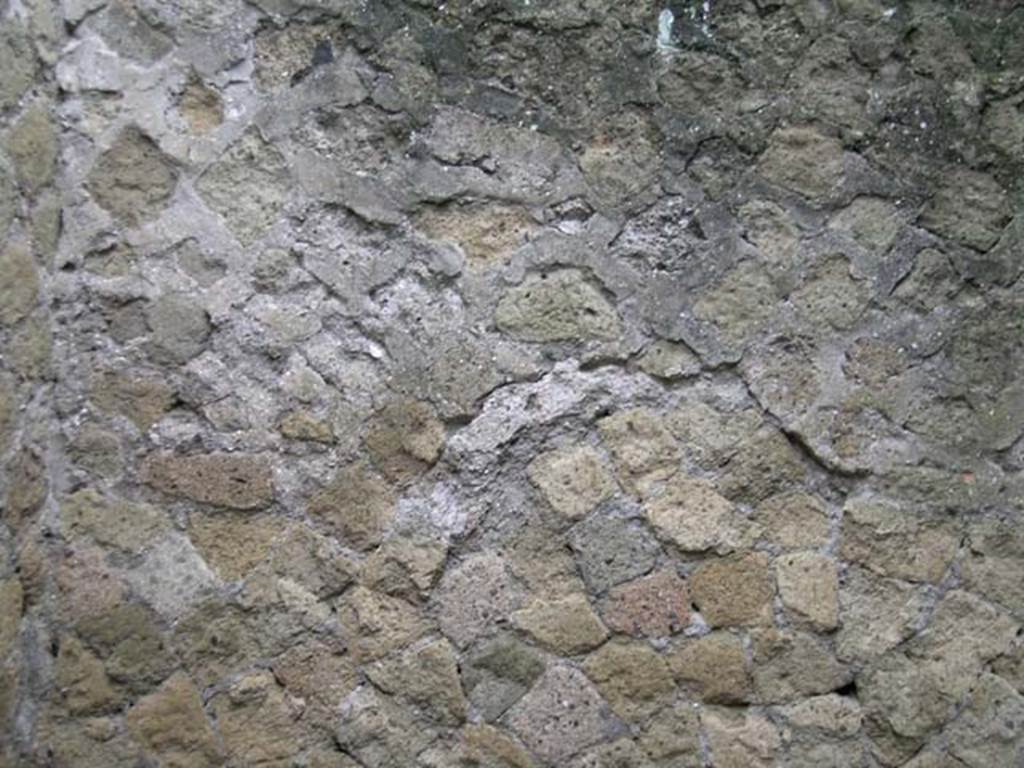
<point x="511" y="384"/>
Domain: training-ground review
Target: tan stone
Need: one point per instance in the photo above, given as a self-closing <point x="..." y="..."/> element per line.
<point x="20" y="285"/>
<point x="315" y="561"/>
<point x="671" y="738"/>
<point x="86" y="585"/>
<point x="669" y="360"/>
<point x="832" y="714"/>
<point x="794" y="520"/>
<point x="303" y="425"/>
<point x="642" y="448"/>
<point x="790" y="665"/>
<point x="573" y="480"/>
<point x="114" y="522"/>
<point x="320" y="675"/>
<point x="32" y="348"/>
<point x="877" y="614"/>
<point x="540" y="558"/>
<point x="32" y="145"/>
<point x="561" y="305"/>
<point x="141" y="399"/>
<point x="405" y="566"/>
<point x="804" y="161"/>
<point x="486" y="745"/>
<point x="765" y="464"/>
<point x="651" y="606"/>
<point x="234" y="544"/>
<point x="170" y="722"/>
<point x="733" y="591"/>
<point x="709" y="436"/>
<point x="405" y="439"/>
<point x="236" y="481"/>
<point x="897" y="543"/>
<point x="809" y="589"/>
<point x="11" y="599"/>
<point x="487" y="234"/>
<point x="634" y="679"/>
<point x="713" y="668"/>
<point x="26" y="490"/>
<point x="375" y="625"/>
<point x="82" y="682"/>
<point x="356" y="504"/>
<point x="741" y="739"/>
<point x="258" y="723"/>
<point x="428" y="677"/>
<point x="689" y="513"/>
<point x="133" y="179"/>
<point x="566" y="625"/>
<point x="201" y="106"/>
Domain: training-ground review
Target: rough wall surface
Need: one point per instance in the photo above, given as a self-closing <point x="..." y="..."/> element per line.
<point x="511" y="383"/>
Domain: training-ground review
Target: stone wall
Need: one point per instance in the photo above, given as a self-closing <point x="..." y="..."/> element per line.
<point x="511" y="383"/>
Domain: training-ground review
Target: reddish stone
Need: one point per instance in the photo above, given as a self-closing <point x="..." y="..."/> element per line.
<point x="652" y="606"/>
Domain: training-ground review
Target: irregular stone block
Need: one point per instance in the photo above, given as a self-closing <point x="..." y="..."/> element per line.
<point x="236" y="481"/>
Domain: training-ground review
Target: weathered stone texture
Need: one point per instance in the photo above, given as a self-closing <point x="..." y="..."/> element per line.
<point x="511" y="384"/>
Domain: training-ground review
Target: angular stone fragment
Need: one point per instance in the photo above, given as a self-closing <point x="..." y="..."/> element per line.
<point x="426" y="676"/>
<point x="236" y="481"/>
<point x="671" y="738"/>
<point x="234" y="544"/>
<point x="487" y="234"/>
<point x="740" y="305"/>
<point x="990" y="730"/>
<point x="320" y="675"/>
<point x="689" y="513"/>
<point x="766" y="464"/>
<point x="556" y="306"/>
<point x="83" y="684"/>
<point x="356" y="504"/>
<point x="128" y="637"/>
<point x="486" y="745"/>
<point x="876" y="614"/>
<point x="118" y="523"/>
<point x="405" y="439"/>
<point x="567" y="625"/>
<point x="709" y="436"/>
<point x="832" y="714"/>
<point x="499" y="674"/>
<point x="741" y="739"/>
<point x="20" y="285"/>
<point x="561" y="715"/>
<point x="831" y="296"/>
<point x="171" y="724"/>
<point x="141" y="399"/>
<point x="872" y="221"/>
<point x="643" y="450"/>
<point x="405" y="566"/>
<point x="248" y="185"/>
<point x="734" y="591"/>
<point x="573" y="480"/>
<point x="303" y="425"/>
<point x="380" y="732"/>
<point x="994" y="566"/>
<point x="201" y="106"/>
<point x="375" y="625"/>
<point x="257" y="721"/>
<point x="179" y="328"/>
<point x="634" y="679"/>
<point x="611" y="549"/>
<point x="793" y="520"/>
<point x="32" y="146"/>
<point x="803" y="161"/>
<point x="623" y="753"/>
<point x="652" y="606"/>
<point x="475" y="598"/>
<point x="713" y="668"/>
<point x="789" y="665"/>
<point x="809" y="589"/>
<point x="968" y="207"/>
<point x="11" y="606"/>
<point x="897" y="543"/>
<point x="669" y="360"/>
<point x="133" y="179"/>
<point x="172" y="576"/>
